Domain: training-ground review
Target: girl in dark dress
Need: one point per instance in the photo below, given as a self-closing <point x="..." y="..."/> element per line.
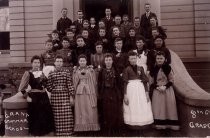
<point x="110" y="98"/>
<point x="39" y="108"/>
<point x="130" y="42"/>
<point x="81" y="48"/>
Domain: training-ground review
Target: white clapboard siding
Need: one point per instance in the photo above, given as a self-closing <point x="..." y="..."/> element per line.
<point x="177" y="17"/>
<point x="30" y="22"/>
<point x="202" y="28"/>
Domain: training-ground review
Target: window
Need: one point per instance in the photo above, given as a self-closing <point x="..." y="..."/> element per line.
<point x="4" y="3"/>
<point x="4" y="25"/>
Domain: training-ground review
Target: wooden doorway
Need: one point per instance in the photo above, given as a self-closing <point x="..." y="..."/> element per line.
<point x="96" y="8"/>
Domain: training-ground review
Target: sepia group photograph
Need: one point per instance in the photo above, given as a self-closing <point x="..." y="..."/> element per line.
<point x="104" y="68"/>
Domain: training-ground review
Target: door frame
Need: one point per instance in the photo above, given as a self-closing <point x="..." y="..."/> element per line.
<point x="130" y="10"/>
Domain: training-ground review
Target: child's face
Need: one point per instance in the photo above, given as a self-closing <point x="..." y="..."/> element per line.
<point x="153" y="21"/>
<point x="58" y="62"/>
<point x="85" y="34"/>
<point x="108" y="12"/>
<point x="125" y="18"/>
<point x="70" y="34"/>
<point x="64" y="13"/>
<point x="73" y="28"/>
<point x="119" y="45"/>
<point x="155" y="33"/>
<point x="65" y="44"/>
<point x="132" y="60"/>
<point x="132" y="33"/>
<point x="85" y="25"/>
<point x="80" y="42"/>
<point x="158" y="43"/>
<point x="108" y="61"/>
<point x="92" y="21"/>
<point x="36" y="64"/>
<point x="54" y="36"/>
<point x="116" y="31"/>
<point x="80" y="15"/>
<point x="102" y="32"/>
<point x="140" y="44"/>
<point x="137" y="22"/>
<point x="82" y="62"/>
<point x="99" y="49"/>
<point x="147" y="8"/>
<point x="48" y="46"/>
<point x="101" y="24"/>
<point x="160" y="59"/>
<point x="117" y="20"/>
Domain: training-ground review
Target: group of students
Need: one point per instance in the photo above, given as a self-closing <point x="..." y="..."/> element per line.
<point x="101" y="79"/>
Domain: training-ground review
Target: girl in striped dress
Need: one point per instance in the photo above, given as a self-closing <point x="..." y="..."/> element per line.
<point x="86" y="113"/>
<point x="62" y="93"/>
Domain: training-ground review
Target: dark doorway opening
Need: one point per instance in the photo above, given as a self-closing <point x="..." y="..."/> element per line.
<point x="96" y="8"/>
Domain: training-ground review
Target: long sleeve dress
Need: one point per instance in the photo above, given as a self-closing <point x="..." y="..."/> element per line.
<point x="138" y="112"/>
<point x="164" y="103"/>
<point x="61" y="87"/>
<point x="111" y="99"/>
<point x="86" y="113"/>
<point x="40" y="112"/>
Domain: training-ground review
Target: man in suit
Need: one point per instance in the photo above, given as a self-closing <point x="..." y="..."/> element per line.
<point x="145" y="20"/>
<point x="108" y="19"/>
<point x="79" y="21"/>
<point x="63" y="23"/>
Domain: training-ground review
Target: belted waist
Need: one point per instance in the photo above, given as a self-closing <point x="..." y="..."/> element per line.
<point x="36" y="90"/>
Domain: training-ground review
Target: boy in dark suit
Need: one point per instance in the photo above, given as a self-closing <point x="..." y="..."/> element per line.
<point x="63" y="23"/>
<point x="145" y="20"/>
<point x="79" y="21"/>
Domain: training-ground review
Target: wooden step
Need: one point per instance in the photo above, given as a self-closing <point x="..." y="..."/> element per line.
<point x="199" y="72"/>
<point x="197" y="65"/>
<point x="204" y="85"/>
<point x="205" y="78"/>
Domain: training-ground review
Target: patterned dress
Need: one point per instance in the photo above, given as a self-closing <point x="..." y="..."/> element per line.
<point x="86" y="113"/>
<point x="164" y="103"/>
<point x="40" y="118"/>
<point x="61" y="87"/>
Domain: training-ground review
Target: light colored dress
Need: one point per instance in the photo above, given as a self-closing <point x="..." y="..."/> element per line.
<point x="164" y="103"/>
<point x="138" y="112"/>
<point x="142" y="60"/>
<point x="86" y="113"/>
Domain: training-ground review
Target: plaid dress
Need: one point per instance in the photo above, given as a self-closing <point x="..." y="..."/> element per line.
<point x="61" y="87"/>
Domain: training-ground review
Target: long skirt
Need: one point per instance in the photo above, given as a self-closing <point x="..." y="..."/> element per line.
<point x="62" y="111"/>
<point x="164" y="109"/>
<point x="111" y="109"/>
<point x="86" y="116"/>
<point x="138" y="112"/>
<point x="40" y="118"/>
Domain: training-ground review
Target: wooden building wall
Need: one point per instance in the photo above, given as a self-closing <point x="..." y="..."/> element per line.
<point x="31" y="21"/>
<point x="188" y="26"/>
<point x="202" y="28"/>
